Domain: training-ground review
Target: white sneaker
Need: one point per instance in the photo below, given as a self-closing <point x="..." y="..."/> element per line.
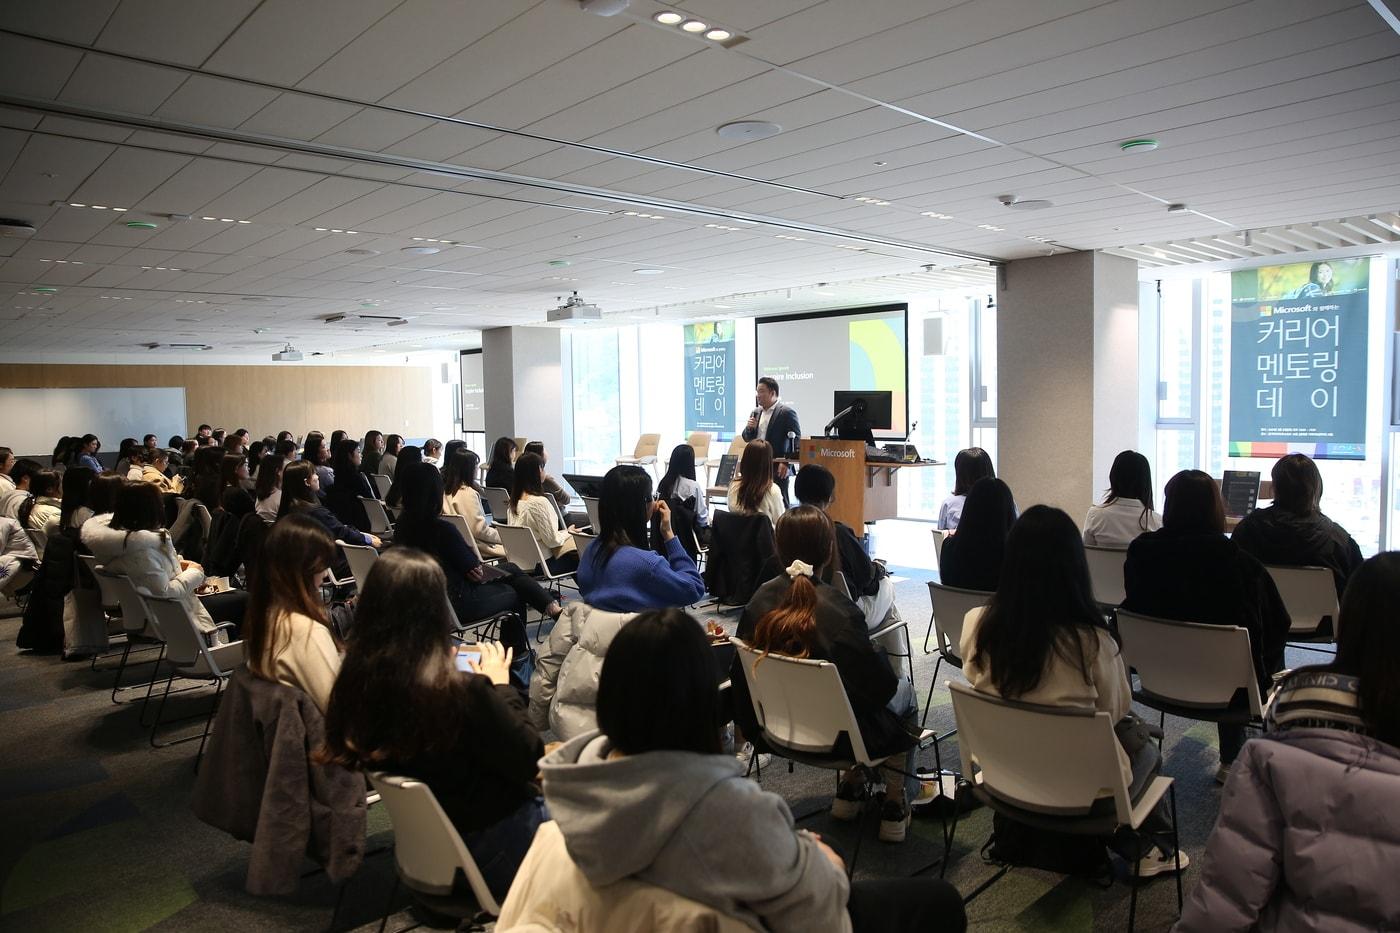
<point x="1156" y="862"/>
<point x="745" y="753"/>
<point x="894" y="821"/>
<point x="847" y="802"/>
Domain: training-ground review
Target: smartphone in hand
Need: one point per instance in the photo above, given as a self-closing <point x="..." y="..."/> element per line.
<point x="467" y="655"/>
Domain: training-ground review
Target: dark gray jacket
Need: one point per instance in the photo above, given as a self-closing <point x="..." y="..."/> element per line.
<point x="1308" y="839"/>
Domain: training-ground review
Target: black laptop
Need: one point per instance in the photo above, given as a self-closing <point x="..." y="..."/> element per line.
<point x="590" y="487"/>
<point x="724" y="475"/>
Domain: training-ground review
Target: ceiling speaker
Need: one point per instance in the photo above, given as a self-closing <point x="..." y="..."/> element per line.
<point x="15" y="228"/>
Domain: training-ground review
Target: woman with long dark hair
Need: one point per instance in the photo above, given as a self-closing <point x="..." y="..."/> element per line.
<point x="679" y="482"/>
<point x="267" y="494"/>
<point x="972" y="557"/>
<point x="1128" y="508"/>
<point x="343" y="498"/>
<point x="798" y="615"/>
<point x="755" y="491"/>
<point x="87" y="447"/>
<point x="1189" y="571"/>
<point x="404" y="703"/>
<point x="1318" y="788"/>
<point x="500" y="469"/>
<point x="389" y="462"/>
<point x="315" y="452"/>
<point x="287" y="636"/>
<point x="65" y="452"/>
<point x="74" y="510"/>
<point x="969" y="466"/>
<point x="1293" y="532"/>
<point x="300" y="484"/>
<point x="461" y="496"/>
<point x="620" y="573"/>
<point x="531" y="507"/>
<point x="1041" y="639"/>
<point x="407" y="457"/>
<point x="371" y="452"/>
<point x="649" y="795"/>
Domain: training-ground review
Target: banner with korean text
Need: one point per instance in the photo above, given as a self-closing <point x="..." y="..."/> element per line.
<point x="709" y="378"/>
<point x="1298" y="360"/>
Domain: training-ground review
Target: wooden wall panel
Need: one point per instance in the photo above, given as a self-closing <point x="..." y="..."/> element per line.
<point x="265" y="399"/>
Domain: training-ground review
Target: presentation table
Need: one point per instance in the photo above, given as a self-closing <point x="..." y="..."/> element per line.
<point x="879" y="496"/>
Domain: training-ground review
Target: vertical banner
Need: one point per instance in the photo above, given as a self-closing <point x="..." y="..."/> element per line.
<point x="709" y="378"/>
<point x="1298" y="360"/>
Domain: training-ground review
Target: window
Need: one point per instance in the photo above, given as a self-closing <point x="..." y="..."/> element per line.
<point x="596" y="403"/>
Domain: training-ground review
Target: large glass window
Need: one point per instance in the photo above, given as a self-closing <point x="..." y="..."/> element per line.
<point x="597" y="435"/>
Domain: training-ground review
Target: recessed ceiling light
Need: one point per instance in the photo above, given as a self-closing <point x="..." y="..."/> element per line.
<point x="642" y="215"/>
<point x="669" y="18"/>
<point x="825" y="294"/>
<point x="141" y="225"/>
<point x="876" y="201"/>
<point x="724" y="307"/>
<point x="749" y="130"/>
<point x="1138" y="145"/>
<point x="76" y="204"/>
<point x="992" y="227"/>
<point x="98" y="207"/>
<point x="362" y="251"/>
<point x="694" y="25"/>
<point x="935" y="215"/>
<point x="718" y="35"/>
<point x="444" y="308"/>
<point x="648" y="271"/>
<point x="421" y="250"/>
<point x="721" y="227"/>
<point x="784" y="236"/>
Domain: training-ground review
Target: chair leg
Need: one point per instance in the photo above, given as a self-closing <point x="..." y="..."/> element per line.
<point x="1176" y="844"/>
<point x="389" y="907"/>
<point x="160" y="710"/>
<point x="121" y="666"/>
<point x="932" y="686"/>
<point x="1132" y="901"/>
<point x="1161" y="727"/>
<point x="928" y="633"/>
<point x="951" y="831"/>
<point x="213" y="708"/>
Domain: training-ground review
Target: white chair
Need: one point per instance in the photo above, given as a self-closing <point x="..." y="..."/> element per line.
<point x="1049" y="768"/>
<point x="40" y="540"/>
<point x="190" y="656"/>
<point x="1106" y="573"/>
<point x="591" y="506"/>
<point x="803" y="713"/>
<point x="361" y="558"/>
<point x="699" y="443"/>
<point x="382" y="483"/>
<point x="499" y="500"/>
<point x="1191" y="670"/>
<point x="524" y="551"/>
<point x="460" y="523"/>
<point x="582" y="541"/>
<point x="428" y="851"/>
<point x="939" y="536"/>
<point x="950" y="606"/>
<point x="1310" y="596"/>
<point x="878" y="635"/>
<point x="645" y="453"/>
<point x="119" y="598"/>
<point x="379" y="524"/>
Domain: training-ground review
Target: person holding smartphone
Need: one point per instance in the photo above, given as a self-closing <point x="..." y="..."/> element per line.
<point x="402" y="704"/>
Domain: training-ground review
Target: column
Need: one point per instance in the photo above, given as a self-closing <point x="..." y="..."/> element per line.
<point x="523" y="387"/>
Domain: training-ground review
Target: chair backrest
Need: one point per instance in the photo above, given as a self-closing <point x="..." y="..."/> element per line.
<point x="591" y="505"/>
<point x="361" y="558"/>
<point x="699" y="442"/>
<point x="116" y="586"/>
<point x="838" y="580"/>
<point x="939" y="536"/>
<point x="647" y="445"/>
<point x="427" y="848"/>
<point x="185" y="645"/>
<point x="1106" y="573"/>
<point x="460" y="523"/>
<point x="522" y="549"/>
<point x="800" y="704"/>
<point x="951" y="604"/>
<point x="40" y="540"/>
<point x="378" y="518"/>
<point x="582" y="541"/>
<point x="499" y="500"/>
<point x="520" y="443"/>
<point x="382" y="483"/>
<point x="1048" y="759"/>
<point x="106" y="585"/>
<point x="1188" y="663"/>
<point x="736" y="447"/>
<point x="1309" y="594"/>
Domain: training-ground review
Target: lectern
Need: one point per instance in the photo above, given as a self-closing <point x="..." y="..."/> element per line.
<point x="846" y="461"/>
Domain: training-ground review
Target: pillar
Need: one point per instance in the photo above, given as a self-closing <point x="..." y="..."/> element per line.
<point x="523" y="387"/>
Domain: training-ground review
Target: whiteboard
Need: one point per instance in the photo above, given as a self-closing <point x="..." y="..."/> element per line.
<point x="32" y="420"/>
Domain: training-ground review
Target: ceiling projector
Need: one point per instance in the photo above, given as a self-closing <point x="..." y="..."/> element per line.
<point x="575" y="311"/>
<point x="287" y="355"/>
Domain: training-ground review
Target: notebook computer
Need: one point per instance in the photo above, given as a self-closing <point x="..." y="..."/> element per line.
<point x="724" y="475"/>
<point x="585" y="485"/>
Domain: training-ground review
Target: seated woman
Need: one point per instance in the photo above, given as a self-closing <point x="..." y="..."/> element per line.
<point x="407" y="455"/>
<point x="315" y="452"/>
<point x="1042" y="639"/>
<point x="1318" y="789"/>
<point x="300" y="485"/>
<point x="132" y="541"/>
<point x="969" y="466"/>
<point x="1127" y="509"/>
<point x="74" y="508"/>
<point x="1191" y="572"/>
<point x="755" y="491"/>
<point x="45" y="507"/>
<point x="343" y="498"/>
<point x="680" y="483"/>
<point x="651" y="796"/>
<point x="235" y="485"/>
<point x="474" y="592"/>
<point x="371" y="452"/>
<point x="267" y="495"/>
<point x="16" y="550"/>
<point x="389" y="461"/>
<point x="971" y="559"/>
<point x="403" y="705"/>
<point x="462" y="497"/>
<point x="619" y="573"/>
<point x="798" y="615"/>
<point x="154" y="472"/>
<point x="869" y="583"/>
<point x="287" y="637"/>
<point x="531" y="508"/>
<point x="1293" y="532"/>
<point x="500" y="469"/>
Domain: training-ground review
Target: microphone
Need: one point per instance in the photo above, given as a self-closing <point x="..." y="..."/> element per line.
<point x="913" y="427"/>
<point x="791" y="436"/>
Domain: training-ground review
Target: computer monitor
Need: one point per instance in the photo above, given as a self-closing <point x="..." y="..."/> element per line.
<point x="585" y="485"/>
<point x="879" y="406"/>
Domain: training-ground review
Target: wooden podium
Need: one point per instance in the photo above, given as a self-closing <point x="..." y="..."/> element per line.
<point x="865" y="490"/>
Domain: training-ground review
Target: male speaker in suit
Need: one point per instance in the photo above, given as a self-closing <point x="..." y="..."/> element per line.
<point x="775" y="422"/>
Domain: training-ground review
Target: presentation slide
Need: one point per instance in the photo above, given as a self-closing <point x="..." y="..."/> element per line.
<point x="473" y="410"/>
<point x="813" y="355"/>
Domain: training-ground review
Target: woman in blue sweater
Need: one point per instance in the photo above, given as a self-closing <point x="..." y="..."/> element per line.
<point x="618" y="573"/>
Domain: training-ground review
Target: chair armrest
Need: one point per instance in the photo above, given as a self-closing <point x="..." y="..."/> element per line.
<point x="223" y="625"/>
<point x="228" y="656"/>
<point x="886" y="629"/>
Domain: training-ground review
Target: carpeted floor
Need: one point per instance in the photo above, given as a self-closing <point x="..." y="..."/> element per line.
<point x="98" y="834"/>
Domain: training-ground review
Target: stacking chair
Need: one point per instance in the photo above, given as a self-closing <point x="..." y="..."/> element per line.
<point x="499" y="500"/>
<point x="1192" y="670"/>
<point x="119" y="598"/>
<point x="361" y="558"/>
<point x="524" y="551"/>
<point x="460" y="523"/>
<point x="950" y="606"/>
<point x="939" y="536"/>
<point x="190" y="657"/>
<point x="1045" y="767"/>
<point x="645" y="453"/>
<point x="591" y="505"/>
<point x="878" y="635"/>
<point x="1310" y="596"/>
<point x="1106" y="574"/>
<point x="699" y="443"/>
<point x="582" y="541"/>
<point x="382" y="483"/>
<point x="428" y="851"/>
<point x="803" y="714"/>
<point x="379" y="524"/>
